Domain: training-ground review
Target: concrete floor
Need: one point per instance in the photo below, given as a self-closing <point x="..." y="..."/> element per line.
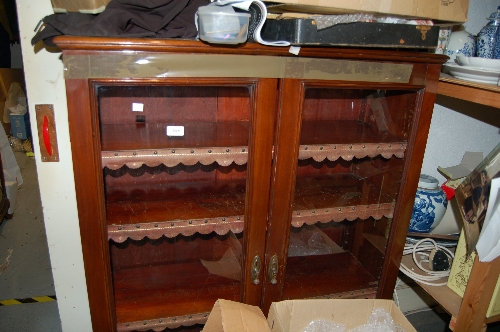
<point x="25" y="270"/>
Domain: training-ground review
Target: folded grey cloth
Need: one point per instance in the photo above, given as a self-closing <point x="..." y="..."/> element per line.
<point x="127" y="18"/>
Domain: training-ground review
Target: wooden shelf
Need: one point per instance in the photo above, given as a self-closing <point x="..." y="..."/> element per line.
<point x="315" y="276"/>
<point x="166" y="291"/>
<point x="448" y="299"/>
<point x="207" y="206"/>
<point x="174" y="202"/>
<point x="338" y="197"/>
<point x="483" y="94"/>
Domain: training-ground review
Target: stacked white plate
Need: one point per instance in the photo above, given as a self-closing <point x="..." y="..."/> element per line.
<point x="475" y="69"/>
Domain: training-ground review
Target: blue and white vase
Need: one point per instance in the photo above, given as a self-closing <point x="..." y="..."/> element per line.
<point x="429" y="207"/>
<point x="486" y="39"/>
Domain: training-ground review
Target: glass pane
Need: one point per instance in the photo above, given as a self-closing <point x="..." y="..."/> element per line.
<point x="351" y="159"/>
<point x="175" y="166"/>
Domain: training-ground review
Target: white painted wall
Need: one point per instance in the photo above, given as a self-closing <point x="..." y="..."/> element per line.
<point x="45" y="85"/>
<point x="451" y="134"/>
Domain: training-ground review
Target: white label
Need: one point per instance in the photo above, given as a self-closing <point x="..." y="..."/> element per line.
<point x="294" y="50"/>
<point x="137" y="107"/>
<point x="175" y="130"/>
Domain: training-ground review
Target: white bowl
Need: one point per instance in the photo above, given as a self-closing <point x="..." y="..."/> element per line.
<point x="478" y="62"/>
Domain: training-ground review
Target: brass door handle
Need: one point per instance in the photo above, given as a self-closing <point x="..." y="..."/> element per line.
<point x="255" y="272"/>
<point x="273" y="270"/>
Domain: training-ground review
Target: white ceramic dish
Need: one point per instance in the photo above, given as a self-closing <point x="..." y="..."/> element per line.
<point x="480" y="63"/>
<point x="472" y="74"/>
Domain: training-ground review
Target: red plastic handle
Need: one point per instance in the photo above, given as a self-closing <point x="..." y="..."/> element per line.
<point x="46" y="135"/>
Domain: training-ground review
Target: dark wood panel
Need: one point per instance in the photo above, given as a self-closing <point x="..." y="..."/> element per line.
<point x="169" y="291"/>
<point x="260" y="165"/>
<point x="90" y="200"/>
<point x="286" y="146"/>
<point x="176" y="201"/>
<point x="313" y="276"/>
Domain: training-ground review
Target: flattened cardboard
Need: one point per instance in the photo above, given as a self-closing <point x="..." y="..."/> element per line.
<point x="470" y="160"/>
<point x="234" y="316"/>
<point x="473" y="194"/>
<point x="442" y="10"/>
<point x="295" y="315"/>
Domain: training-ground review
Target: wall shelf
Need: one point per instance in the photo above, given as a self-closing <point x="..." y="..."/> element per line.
<point x="479" y="93"/>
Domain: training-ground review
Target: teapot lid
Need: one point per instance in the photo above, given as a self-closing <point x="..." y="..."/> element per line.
<point x="495" y="15"/>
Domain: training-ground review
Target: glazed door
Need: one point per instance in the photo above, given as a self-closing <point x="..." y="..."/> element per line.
<point x="186" y="173"/>
<point x="343" y="149"/>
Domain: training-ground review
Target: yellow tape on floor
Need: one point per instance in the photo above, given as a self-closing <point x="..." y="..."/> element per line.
<point x="35" y="299"/>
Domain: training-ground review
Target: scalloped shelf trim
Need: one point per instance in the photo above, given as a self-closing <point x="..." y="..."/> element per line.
<point x="224" y="156"/>
<point x="155" y="230"/>
<point x="333" y="152"/>
<point x="338" y="214"/>
<point x="161" y="324"/>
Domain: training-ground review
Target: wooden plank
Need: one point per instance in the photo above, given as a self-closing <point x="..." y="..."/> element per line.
<point x="173" y="202"/>
<point x="75" y="44"/>
<point x="483" y="94"/>
<point x="477" y="297"/>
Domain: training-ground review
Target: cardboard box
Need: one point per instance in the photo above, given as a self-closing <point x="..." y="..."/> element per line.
<point x="20" y="125"/>
<point x="7" y="77"/>
<point x="460" y="272"/>
<point x="442" y="10"/>
<point x="295" y="315"/>
<point x="82" y="6"/>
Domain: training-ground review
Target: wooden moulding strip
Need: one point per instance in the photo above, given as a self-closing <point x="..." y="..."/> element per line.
<point x="224" y="156"/>
<point x="367" y="293"/>
<point x="339" y="214"/>
<point x="155" y="230"/>
<point x="161" y="324"/>
<point x="348" y="151"/>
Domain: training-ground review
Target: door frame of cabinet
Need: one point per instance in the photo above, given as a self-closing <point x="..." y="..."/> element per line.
<point x="85" y="143"/>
